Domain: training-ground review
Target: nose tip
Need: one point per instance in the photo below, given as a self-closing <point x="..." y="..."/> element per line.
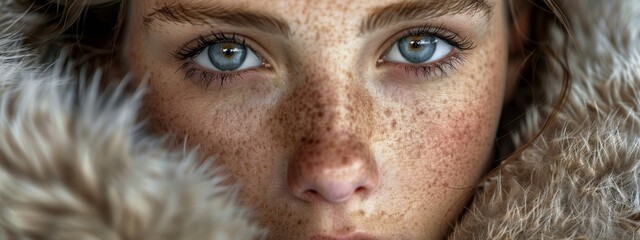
<point x="336" y="190"/>
<point x="329" y="177"/>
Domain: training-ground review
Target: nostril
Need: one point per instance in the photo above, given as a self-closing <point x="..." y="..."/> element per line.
<point x="333" y="191"/>
<point x="312" y="195"/>
<point x="311" y="192"/>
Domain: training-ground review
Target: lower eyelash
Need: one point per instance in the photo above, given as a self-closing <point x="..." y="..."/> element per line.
<point x="433" y="70"/>
<point x="204" y="78"/>
<point x="437" y="69"/>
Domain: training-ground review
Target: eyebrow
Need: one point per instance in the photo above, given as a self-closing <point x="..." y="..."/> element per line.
<point x="421" y="9"/>
<point x="216" y="13"/>
<point x="380" y="18"/>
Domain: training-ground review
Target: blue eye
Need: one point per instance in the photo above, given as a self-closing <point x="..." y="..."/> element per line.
<point x="418" y="49"/>
<point x="227" y="56"/>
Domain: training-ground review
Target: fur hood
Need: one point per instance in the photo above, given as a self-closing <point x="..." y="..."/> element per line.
<point x="76" y="165"/>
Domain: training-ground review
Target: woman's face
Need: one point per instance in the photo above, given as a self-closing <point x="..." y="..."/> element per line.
<point x="336" y="118"/>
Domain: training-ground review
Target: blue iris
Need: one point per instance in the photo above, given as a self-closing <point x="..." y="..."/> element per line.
<point x="227" y="56"/>
<point x="418" y="48"/>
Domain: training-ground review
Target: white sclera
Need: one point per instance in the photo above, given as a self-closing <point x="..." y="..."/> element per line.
<point x="442" y="50"/>
<point x="251" y="61"/>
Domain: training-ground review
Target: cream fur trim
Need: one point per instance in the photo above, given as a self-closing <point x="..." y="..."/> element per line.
<point x="74" y="165"/>
<point x="581" y="178"/>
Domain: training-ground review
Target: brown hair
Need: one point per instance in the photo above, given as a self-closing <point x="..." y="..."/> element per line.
<point x="540" y="56"/>
<point x="84" y="29"/>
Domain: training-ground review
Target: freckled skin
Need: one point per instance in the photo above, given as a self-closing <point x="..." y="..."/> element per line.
<point x="325" y="143"/>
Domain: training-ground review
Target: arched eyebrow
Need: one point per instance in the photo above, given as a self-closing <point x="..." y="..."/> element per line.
<point x="423" y="9"/>
<point x="212" y="13"/>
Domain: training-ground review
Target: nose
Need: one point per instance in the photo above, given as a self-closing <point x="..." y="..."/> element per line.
<point x="332" y="169"/>
<point x="333" y="123"/>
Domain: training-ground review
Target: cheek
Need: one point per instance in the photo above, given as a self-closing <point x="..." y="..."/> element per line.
<point x="445" y="147"/>
<point x="436" y="146"/>
<point x="233" y="132"/>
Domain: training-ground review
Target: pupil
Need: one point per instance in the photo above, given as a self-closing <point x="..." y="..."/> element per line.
<point x="416" y="44"/>
<point x="229" y="51"/>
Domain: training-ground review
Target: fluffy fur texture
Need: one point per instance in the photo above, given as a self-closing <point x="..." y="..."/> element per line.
<point x="74" y="164"/>
<point x="580" y="179"/>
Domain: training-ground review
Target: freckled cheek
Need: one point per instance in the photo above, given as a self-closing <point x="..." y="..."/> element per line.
<point x="468" y="133"/>
<point x="230" y="134"/>
<point x="454" y="138"/>
<point x="466" y="146"/>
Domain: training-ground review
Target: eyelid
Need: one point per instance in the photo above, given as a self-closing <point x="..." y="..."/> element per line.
<point x="196" y="46"/>
<point x="185" y="56"/>
<point x="459" y="43"/>
<point x="426" y="72"/>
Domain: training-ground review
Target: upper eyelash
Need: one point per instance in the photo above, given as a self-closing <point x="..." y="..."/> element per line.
<point x="202" y="42"/>
<point x="450" y="37"/>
